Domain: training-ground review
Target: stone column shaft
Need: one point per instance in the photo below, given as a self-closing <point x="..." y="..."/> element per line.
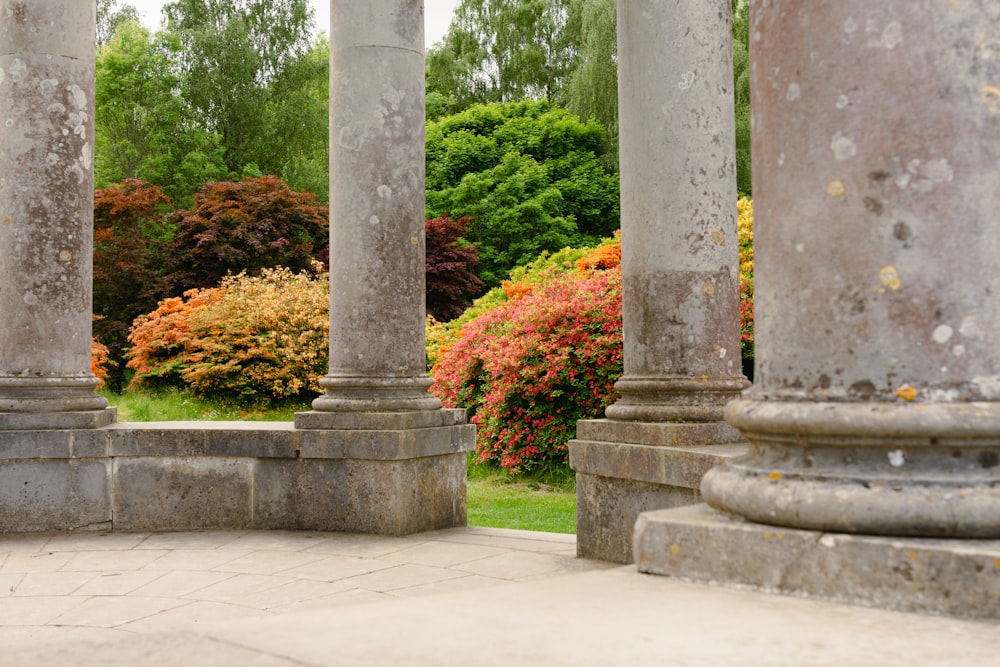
<point x="47" y="53"/>
<point x="876" y="163"/>
<point x="680" y="274"/>
<point x="680" y="259"/>
<point x="377" y="347"/>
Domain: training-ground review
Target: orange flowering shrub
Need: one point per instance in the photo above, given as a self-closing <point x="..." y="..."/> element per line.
<point x="99" y="360"/>
<point x="252" y="339"/>
<point x="603" y="257"/>
<point x="529" y="369"/>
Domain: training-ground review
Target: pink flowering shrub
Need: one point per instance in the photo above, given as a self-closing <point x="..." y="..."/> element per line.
<point x="530" y="368"/>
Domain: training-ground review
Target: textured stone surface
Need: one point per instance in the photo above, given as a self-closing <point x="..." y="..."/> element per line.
<point x="377" y="350"/>
<point x="387" y="445"/>
<point x="680" y="293"/>
<point x="44" y="495"/>
<point x="608" y="507"/>
<point x="951" y="577"/>
<point x="233" y="475"/>
<point x="680" y="283"/>
<point x="615" y="482"/>
<point x="371" y="421"/>
<point x="876" y="406"/>
<point x="381" y="497"/>
<point x="674" y="466"/>
<point x="183" y="493"/>
<point x="46" y="215"/>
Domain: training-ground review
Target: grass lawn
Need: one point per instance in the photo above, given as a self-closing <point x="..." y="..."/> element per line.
<point x="495" y="499"/>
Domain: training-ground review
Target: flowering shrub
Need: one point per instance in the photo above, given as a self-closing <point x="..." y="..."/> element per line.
<point x="250" y="340"/>
<point x="530" y="368"/>
<point x="523" y="280"/>
<point x="128" y="256"/>
<point x="744" y="232"/>
<point x="99" y="360"/>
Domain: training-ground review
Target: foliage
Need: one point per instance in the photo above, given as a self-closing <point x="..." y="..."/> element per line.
<point x="144" y="129"/>
<point x="244" y="226"/>
<point x="529" y="176"/>
<point x="744" y="231"/>
<point x="251" y="340"/>
<point x="523" y="279"/>
<point x="529" y="369"/>
<point x="741" y="76"/>
<point x="171" y="404"/>
<point x="110" y="15"/>
<point x="232" y="52"/>
<point x="502" y="51"/>
<point x="128" y="252"/>
<point x="591" y="89"/>
<point x="450" y="282"/>
<point x="296" y="141"/>
<point x="99" y="361"/>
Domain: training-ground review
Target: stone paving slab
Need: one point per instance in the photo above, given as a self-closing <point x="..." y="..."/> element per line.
<point x="455" y="597"/>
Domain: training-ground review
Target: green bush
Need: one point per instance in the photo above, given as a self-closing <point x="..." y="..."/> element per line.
<point x="528" y="174"/>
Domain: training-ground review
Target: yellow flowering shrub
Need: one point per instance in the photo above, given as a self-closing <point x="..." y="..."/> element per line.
<point x="252" y="339"/>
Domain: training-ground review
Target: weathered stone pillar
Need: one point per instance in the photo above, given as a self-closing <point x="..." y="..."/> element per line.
<point x="877" y="151"/>
<point x="47" y="55"/>
<point x="376" y="408"/>
<point x="680" y="266"/>
<point x="875" y="414"/>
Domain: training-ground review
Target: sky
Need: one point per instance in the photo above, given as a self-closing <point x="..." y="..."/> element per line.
<point x="437" y="15"/>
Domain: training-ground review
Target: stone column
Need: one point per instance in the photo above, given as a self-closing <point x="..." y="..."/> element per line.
<point x="47" y="55"/>
<point x="876" y="407"/>
<point x="377" y="347"/>
<point x="377" y="441"/>
<point x="680" y="266"/>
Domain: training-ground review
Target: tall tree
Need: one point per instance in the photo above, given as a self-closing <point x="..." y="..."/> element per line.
<point x="110" y="16"/>
<point x="144" y="130"/>
<point x="501" y="51"/>
<point x="232" y="51"/>
<point x="591" y="89"/>
<point x="296" y="121"/>
<point x="741" y="76"/>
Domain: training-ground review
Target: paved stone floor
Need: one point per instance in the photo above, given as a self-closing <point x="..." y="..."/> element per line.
<point x="469" y="596"/>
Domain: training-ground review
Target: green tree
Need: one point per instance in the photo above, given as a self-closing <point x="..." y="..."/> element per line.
<point x="528" y="174"/>
<point x="592" y="87"/>
<point x="143" y="128"/>
<point x="232" y="53"/>
<point x="297" y="122"/>
<point x="110" y="16"/>
<point x="741" y="76"/>
<point x="501" y="51"/>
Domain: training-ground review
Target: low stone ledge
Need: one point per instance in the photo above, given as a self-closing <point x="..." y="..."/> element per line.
<point x="172" y="439"/>
<point x="674" y="466"/>
<point x="658" y="434"/>
<point x="617" y="481"/>
<point x="392" y="445"/>
<point x="233" y="475"/>
<point x="936" y="576"/>
<point x="377" y="421"/>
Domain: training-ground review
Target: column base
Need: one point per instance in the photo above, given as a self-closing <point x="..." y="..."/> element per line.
<point x="376" y="394"/>
<point x="28" y="421"/>
<point x="28" y="403"/>
<point x="907" y="469"/>
<point x="948" y="577"/>
<point x="625" y="468"/>
<point x="388" y="473"/>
